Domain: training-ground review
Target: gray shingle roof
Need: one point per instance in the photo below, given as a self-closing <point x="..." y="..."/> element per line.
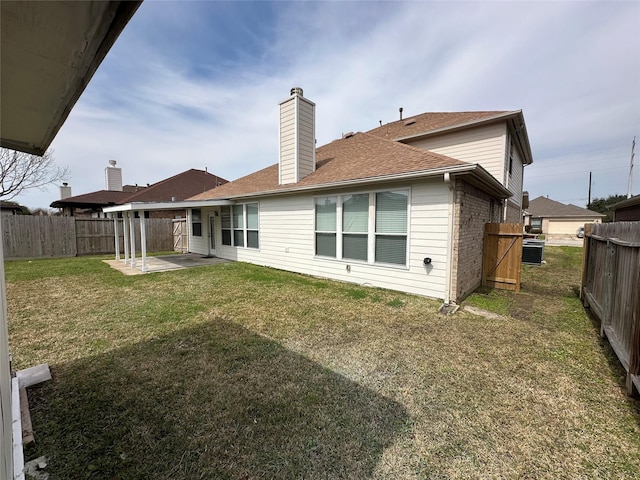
<point x="545" y="207"/>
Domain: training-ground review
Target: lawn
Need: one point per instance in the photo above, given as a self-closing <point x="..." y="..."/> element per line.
<point x="237" y="371"/>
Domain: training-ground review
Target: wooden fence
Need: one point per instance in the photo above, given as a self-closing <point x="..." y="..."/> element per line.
<point x="611" y="289"/>
<point x="502" y="257"/>
<point x="33" y="236"/>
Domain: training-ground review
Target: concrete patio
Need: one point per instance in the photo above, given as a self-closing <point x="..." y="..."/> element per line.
<point x="165" y="263"/>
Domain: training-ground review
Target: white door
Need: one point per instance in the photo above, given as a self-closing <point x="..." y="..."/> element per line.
<point x="212" y="235"/>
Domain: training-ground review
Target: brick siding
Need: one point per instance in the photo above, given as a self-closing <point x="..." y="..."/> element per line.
<point x="473" y="208"/>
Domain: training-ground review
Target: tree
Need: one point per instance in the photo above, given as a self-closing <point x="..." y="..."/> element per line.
<point x="601" y="205"/>
<point x="20" y="171"/>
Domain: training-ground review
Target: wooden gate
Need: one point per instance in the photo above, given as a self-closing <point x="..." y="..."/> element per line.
<point x="502" y="258"/>
<point x="180" y="236"/>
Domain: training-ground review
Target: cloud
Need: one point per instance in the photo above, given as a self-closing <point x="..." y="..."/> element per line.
<point x="195" y="84"/>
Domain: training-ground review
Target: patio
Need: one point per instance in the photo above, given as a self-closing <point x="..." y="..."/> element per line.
<point x="165" y="263"/>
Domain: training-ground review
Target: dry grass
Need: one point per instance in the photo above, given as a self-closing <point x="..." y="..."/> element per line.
<point x="237" y="371"/>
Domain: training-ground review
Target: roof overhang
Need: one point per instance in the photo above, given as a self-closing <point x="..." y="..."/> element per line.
<point x="470" y="172"/>
<point x="49" y="52"/>
<point x="515" y="123"/>
<point x="629" y="202"/>
<point x="150" y="206"/>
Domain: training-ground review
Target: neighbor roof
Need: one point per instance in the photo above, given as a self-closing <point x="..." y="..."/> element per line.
<point x="359" y="157"/>
<point x="629" y="202"/>
<point x="547" y="208"/>
<point x="92" y="199"/>
<point x="178" y="187"/>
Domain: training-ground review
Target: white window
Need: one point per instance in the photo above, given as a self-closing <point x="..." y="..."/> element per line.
<point x="355" y="226"/>
<point x="326" y="226"/>
<point x="240" y="225"/>
<point x="391" y="227"/>
<point x="372" y="228"/>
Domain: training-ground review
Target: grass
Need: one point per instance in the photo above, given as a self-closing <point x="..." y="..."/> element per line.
<point x="239" y="371"/>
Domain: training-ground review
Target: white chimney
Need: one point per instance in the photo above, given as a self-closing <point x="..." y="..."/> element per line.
<point x="113" y="177"/>
<point x="297" y="138"/>
<point x="65" y="191"/>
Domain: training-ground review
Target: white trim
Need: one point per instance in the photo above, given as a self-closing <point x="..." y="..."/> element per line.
<point x="18" y="452"/>
<point x="166" y="205"/>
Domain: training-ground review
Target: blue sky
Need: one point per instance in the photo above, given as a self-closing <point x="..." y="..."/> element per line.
<point x="197" y="84"/>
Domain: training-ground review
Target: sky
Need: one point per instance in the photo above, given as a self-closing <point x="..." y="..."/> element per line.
<point x="197" y="85"/>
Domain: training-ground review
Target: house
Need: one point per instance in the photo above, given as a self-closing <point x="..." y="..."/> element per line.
<point x="175" y="188"/>
<point x="375" y="208"/>
<point x="627" y="210"/>
<point x="12" y="208"/>
<point x="556" y="219"/>
<point x="50" y="51"/>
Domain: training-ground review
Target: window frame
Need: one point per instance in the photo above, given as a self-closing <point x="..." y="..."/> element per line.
<point x="240" y="231"/>
<point x="371" y="233"/>
<point x="196" y="220"/>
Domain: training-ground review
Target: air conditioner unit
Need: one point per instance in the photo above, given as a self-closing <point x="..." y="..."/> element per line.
<point x="533" y="252"/>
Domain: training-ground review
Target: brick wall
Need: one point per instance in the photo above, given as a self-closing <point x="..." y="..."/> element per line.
<point x="514" y="213"/>
<point x="473" y="208"/>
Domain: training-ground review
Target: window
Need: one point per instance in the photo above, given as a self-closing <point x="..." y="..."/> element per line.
<point x="225" y="224"/>
<point x="196" y="222"/>
<point x="252" y="225"/>
<point x="355" y="226"/>
<point x="391" y="227"/>
<point x="240" y="225"/>
<point x="536" y="225"/>
<point x="373" y="227"/>
<point x="326" y="226"/>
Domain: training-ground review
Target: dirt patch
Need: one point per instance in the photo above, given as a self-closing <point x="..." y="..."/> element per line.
<point x="522" y="306"/>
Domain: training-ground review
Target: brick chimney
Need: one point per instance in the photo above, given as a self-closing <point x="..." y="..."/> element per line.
<point x="297" y="138"/>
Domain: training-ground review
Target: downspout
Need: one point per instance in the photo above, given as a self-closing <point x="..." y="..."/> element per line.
<point x="450" y="238"/>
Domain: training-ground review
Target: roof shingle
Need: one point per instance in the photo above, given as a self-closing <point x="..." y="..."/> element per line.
<point x="361" y="156"/>
<point x="545" y="207"/>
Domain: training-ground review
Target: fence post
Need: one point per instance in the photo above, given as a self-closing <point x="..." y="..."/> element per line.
<point x="586" y="245"/>
<point x="609" y="277"/>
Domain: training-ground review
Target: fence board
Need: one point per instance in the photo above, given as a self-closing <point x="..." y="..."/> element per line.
<point x="502" y="257"/>
<point x="32" y="236"/>
<point x="610" y="286"/>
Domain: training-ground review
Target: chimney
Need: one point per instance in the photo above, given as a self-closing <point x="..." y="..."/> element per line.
<point x="297" y="138"/>
<point x="113" y="177"/>
<point x="65" y="191"/>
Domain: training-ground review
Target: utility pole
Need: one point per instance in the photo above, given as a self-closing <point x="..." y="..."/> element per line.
<point x="629" y="191"/>
<point x="589" y="202"/>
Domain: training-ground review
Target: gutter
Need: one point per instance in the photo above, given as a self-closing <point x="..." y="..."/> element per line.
<point x="450" y="237"/>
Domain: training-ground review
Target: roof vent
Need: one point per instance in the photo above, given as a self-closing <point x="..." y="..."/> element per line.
<point x="411" y="121"/>
<point x="348" y="135"/>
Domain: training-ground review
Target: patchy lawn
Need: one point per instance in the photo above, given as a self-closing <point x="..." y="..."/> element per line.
<point x="238" y="371"/>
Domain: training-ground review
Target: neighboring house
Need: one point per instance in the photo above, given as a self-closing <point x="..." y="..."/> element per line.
<point x="12" y="208"/>
<point x="627" y="210"/>
<point x="556" y="219"/>
<point x="370" y="208"/>
<point x="176" y="188"/>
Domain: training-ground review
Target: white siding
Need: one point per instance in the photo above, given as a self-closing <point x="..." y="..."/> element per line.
<point x="287" y="142"/>
<point x="287" y="242"/>
<point x="483" y="145"/>
<point x="514" y="180"/>
<point x="297" y="139"/>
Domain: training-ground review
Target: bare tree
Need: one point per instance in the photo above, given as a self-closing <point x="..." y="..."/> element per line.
<point x="20" y="171"/>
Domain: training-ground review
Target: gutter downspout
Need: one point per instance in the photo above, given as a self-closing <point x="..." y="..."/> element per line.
<point x="450" y="236"/>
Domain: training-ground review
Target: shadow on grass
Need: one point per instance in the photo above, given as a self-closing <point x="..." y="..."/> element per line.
<point x="211" y="401"/>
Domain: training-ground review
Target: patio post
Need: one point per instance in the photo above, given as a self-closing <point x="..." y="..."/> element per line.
<point x="132" y="238"/>
<point x="125" y="227"/>
<point x="143" y="242"/>
<point x="115" y="233"/>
